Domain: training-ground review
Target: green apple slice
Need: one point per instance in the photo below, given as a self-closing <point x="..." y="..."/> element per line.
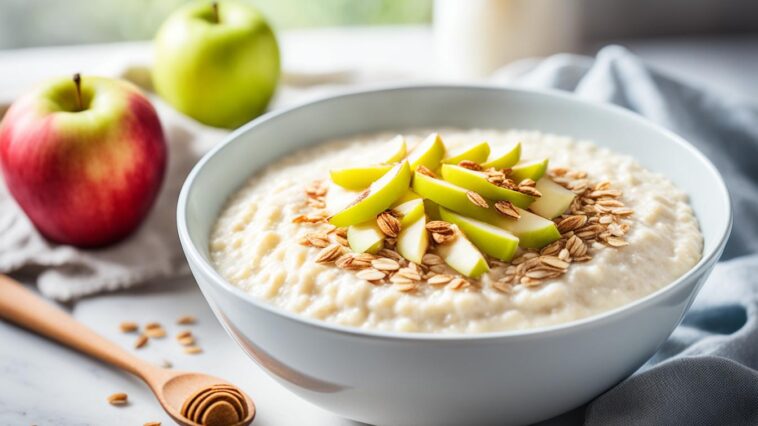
<point x="463" y="256"/>
<point x="408" y="196"/>
<point x="477" y="182"/>
<point x="428" y="153"/>
<point x="533" y="170"/>
<point x="533" y="231"/>
<point x="432" y="210"/>
<point x="490" y="239"/>
<point x="413" y="240"/>
<point x="555" y="199"/>
<point x="397" y="149"/>
<point x="503" y="157"/>
<point x="376" y="198"/>
<point x="477" y="153"/>
<point x="365" y="237"/>
<point x="357" y="178"/>
<point x="450" y="196"/>
<point x="410" y="211"/>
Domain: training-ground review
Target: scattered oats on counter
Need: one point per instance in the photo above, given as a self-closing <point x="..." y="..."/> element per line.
<point x="140" y="342"/>
<point x="186" y="320"/>
<point x="118" y="399"/>
<point x="128" y="327"/>
<point x="154" y="330"/>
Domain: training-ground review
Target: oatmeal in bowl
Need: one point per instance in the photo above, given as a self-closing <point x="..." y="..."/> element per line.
<point x="516" y="275"/>
<point x="455" y="231"/>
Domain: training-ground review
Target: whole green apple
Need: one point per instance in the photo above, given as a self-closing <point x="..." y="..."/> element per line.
<point x="216" y="62"/>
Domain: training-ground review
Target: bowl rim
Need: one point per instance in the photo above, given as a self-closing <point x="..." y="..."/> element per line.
<point x="194" y="256"/>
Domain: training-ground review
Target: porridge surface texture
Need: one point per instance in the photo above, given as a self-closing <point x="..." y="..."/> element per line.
<point x="254" y="245"/>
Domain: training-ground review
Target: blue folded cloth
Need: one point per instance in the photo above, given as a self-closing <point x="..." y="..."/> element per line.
<point x="707" y="372"/>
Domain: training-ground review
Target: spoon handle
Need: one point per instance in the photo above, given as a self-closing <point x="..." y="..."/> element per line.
<point x="23" y="307"/>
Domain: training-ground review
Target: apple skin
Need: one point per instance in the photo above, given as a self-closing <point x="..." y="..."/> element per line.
<point x="84" y="178"/>
<point x="477" y="153"/>
<point x="376" y="198"/>
<point x="533" y="170"/>
<point x="488" y="238"/>
<point x="220" y="73"/>
<point x="428" y="153"/>
<point x="358" y="178"/>
<point x="503" y="157"/>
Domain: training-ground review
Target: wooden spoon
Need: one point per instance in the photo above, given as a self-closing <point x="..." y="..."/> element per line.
<point x="191" y="399"/>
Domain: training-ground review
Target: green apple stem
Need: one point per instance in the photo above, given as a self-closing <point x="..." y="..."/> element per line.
<point x="214" y="5"/>
<point x="78" y="82"/>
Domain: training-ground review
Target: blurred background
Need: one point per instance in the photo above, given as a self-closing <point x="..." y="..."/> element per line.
<point x="26" y="23"/>
<point x="708" y="42"/>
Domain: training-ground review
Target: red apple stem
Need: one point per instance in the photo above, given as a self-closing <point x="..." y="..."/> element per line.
<point x="214" y="5"/>
<point x="78" y="82"/>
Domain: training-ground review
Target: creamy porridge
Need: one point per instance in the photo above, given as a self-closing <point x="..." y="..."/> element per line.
<point x="649" y="237"/>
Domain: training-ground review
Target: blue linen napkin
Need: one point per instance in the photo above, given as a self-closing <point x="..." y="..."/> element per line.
<point x="707" y="371"/>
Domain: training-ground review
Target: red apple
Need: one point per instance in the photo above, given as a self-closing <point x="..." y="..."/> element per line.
<point x="84" y="158"/>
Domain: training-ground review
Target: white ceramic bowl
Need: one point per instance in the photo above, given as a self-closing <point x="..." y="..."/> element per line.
<point x="395" y="378"/>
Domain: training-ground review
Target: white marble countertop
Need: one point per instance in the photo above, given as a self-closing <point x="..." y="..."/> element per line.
<point x="45" y="384"/>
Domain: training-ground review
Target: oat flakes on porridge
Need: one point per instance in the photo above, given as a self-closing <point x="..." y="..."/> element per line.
<point x="467" y="231"/>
